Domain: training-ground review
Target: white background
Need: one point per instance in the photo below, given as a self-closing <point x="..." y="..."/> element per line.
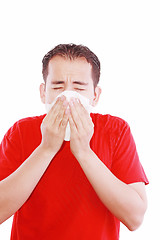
<point x="125" y="36"/>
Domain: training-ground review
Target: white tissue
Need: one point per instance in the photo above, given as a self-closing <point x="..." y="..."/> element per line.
<point x="71" y="94"/>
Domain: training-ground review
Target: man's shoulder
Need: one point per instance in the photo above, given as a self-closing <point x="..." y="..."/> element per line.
<point x="108" y="121"/>
<point x="25" y="124"/>
<point x="110" y="127"/>
<point x="31" y="120"/>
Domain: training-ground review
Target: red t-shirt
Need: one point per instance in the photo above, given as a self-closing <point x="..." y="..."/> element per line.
<point x="64" y="206"/>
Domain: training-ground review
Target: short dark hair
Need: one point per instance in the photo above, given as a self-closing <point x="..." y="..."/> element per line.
<point x="73" y="51"/>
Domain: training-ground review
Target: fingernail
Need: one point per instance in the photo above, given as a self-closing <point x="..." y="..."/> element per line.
<point x="62" y="97"/>
<point x="67" y="111"/>
<point x="71" y="102"/>
<point x="65" y="103"/>
<point x="58" y="99"/>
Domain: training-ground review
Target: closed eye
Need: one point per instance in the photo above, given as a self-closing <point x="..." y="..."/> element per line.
<point x="55" y="88"/>
<point x="79" y="89"/>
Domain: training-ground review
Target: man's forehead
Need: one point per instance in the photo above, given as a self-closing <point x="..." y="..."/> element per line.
<point x="60" y="66"/>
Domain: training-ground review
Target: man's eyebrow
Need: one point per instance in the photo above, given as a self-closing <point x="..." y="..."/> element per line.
<point x="57" y="82"/>
<point x="80" y="83"/>
<point x="75" y="82"/>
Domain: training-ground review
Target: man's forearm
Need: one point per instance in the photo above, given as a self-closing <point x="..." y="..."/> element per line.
<point x="121" y="199"/>
<point x="16" y="188"/>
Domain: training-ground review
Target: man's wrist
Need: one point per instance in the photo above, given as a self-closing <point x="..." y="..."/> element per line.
<point x="46" y="151"/>
<point x="83" y="155"/>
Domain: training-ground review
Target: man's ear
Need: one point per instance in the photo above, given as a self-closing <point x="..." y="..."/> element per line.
<point x="42" y="92"/>
<point x="97" y="94"/>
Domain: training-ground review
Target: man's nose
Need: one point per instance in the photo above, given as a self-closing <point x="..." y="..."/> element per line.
<point x="68" y="87"/>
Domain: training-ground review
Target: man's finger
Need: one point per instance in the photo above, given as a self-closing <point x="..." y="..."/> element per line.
<point x="82" y="114"/>
<point x="56" y="108"/>
<point x="72" y="125"/>
<point x="65" y="119"/>
<point x="75" y="115"/>
<point x="61" y="116"/>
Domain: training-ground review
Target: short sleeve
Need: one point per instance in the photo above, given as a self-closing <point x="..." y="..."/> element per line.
<point x="126" y="165"/>
<point x="10" y="152"/>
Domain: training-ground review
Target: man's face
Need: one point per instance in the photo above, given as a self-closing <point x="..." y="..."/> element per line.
<point x="73" y="75"/>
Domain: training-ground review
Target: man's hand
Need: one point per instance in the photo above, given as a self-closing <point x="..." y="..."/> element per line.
<point x="54" y="125"/>
<point x="82" y="128"/>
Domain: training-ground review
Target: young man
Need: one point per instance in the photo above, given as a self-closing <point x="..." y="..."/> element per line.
<point x="79" y="189"/>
